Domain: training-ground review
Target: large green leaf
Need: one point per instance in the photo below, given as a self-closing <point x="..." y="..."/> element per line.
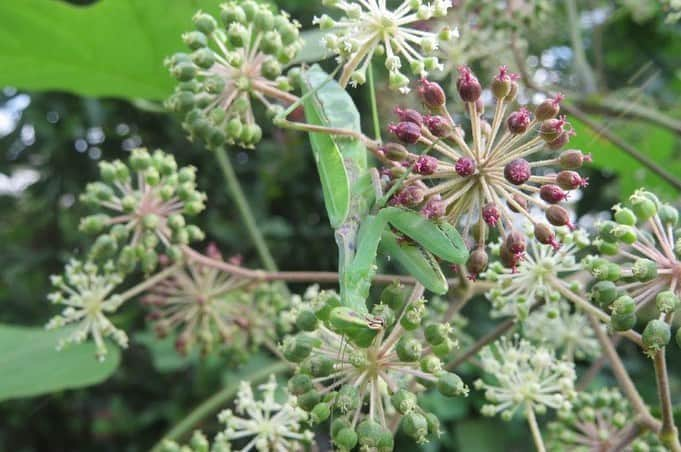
<point x="112" y="48"/>
<point x="30" y="365"/>
<point x="656" y="143"/>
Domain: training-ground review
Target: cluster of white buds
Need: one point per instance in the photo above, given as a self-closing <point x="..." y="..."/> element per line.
<point x="86" y="294"/>
<point x="524" y="377"/>
<point x="598" y="421"/>
<point x="369" y="27"/>
<point x="562" y="329"/>
<point x="197" y="443"/>
<point x="534" y="279"/>
<point x="264" y="424"/>
<point x="207" y="307"/>
<point x="645" y="245"/>
<point x="230" y="66"/>
<point x="483" y="183"/>
<point x="147" y="203"/>
<point x="381" y="374"/>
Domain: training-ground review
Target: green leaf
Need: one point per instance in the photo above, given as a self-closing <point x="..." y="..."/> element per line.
<point x="430" y="235"/>
<point x="329" y="106"/>
<point x="418" y="262"/>
<point x="654" y="142"/>
<point x="111" y="48"/>
<point x="30" y="365"/>
<point x="352" y="324"/>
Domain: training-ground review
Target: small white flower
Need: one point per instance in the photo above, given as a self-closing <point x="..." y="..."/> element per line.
<point x="273" y="426"/>
<point x="369" y="27"/>
<point x="518" y="290"/>
<point x="86" y="295"/>
<point x="524" y="376"/>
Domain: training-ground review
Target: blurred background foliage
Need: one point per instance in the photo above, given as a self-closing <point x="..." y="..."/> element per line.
<point x="81" y="81"/>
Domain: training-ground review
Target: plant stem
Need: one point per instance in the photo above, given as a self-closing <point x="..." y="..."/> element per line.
<point x="215" y="402"/>
<point x="374" y="105"/>
<point x="245" y="210"/>
<point x="622" y="376"/>
<point x="144" y="285"/>
<point x="581" y="64"/>
<point x="300" y="276"/>
<point x="534" y="427"/>
<point x="628" y="109"/>
<point x="668" y="433"/>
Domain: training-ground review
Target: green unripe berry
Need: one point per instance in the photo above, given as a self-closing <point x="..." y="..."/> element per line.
<point x="120" y="233"/>
<point x="299" y="384"/>
<point x="431" y="364"/>
<point x="320" y="412"/>
<point x="184" y="71"/>
<point x="230" y="12"/>
<point x="666" y="301"/>
<point x="203" y="58"/>
<point x="397" y="80"/>
<point x="433" y="424"/>
<point x="234" y="128"/>
<point x="394" y="295"/>
<point x="94" y="224"/>
<point x="603" y="293"/>
<point x="370" y="434"/>
<point x="204" y="23"/>
<point x="644" y="270"/>
<point x="656" y="335"/>
<point x="150" y="221"/>
<point x="348" y="399"/>
<point x="149" y="261"/>
<point x="345" y="439"/>
<point x="271" y="69"/>
<point x="107" y="171"/>
<point x="320" y="366"/>
<point x="127" y="259"/>
<point x="176" y="221"/>
<point x="105" y="246"/>
<point x="306" y="320"/>
<point x="404" y="401"/>
<point x="625" y="234"/>
<point x="605" y="231"/>
<point x="339" y="424"/>
<point x="237" y="35"/>
<point x="450" y="384"/>
<point x="271" y="43"/>
<point x="622" y="322"/>
<point x="195" y="233"/>
<point x="297" y="348"/>
<point x="607" y="248"/>
<point x="383" y="312"/>
<point x="436" y="333"/>
<point x="624" y="305"/>
<point x="309" y="400"/>
<point x="195" y="40"/>
<point x="669" y="216"/>
<point x="411" y="319"/>
<point x="415" y="425"/>
<point x="643" y="206"/>
<point x="408" y="349"/>
<point x="625" y="216"/>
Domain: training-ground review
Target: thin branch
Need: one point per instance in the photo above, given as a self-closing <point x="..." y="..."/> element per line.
<point x="584" y="71"/>
<point x="627" y="109"/>
<point x="668" y="433"/>
<point x="622" y="377"/>
<point x="488" y="338"/>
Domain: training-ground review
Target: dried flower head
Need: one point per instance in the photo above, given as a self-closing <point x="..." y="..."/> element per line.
<point x="86" y="295"/>
<point x="645" y="246"/>
<point x="376" y="374"/>
<point x="598" y="421"/>
<point x="232" y="65"/>
<point x="369" y="27"/>
<point x="563" y="330"/>
<point x="534" y="278"/>
<point x="482" y="183"/>
<point x="149" y="200"/>
<point x="524" y="377"/>
<point x="267" y="424"/>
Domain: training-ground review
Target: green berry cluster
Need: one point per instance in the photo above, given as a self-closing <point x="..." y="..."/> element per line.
<point x="361" y="381"/>
<point x="232" y="62"/>
<point x="644" y="241"/>
<point x="146" y="202"/>
<point x="597" y="421"/>
<point x="197" y="443"/>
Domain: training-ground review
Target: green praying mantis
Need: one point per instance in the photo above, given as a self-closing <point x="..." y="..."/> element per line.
<point x="357" y="210"/>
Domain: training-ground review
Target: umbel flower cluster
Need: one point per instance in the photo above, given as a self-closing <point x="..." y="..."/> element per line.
<point x="147" y="202"/>
<point x="645" y="245"/>
<point x="519" y="289"/>
<point x="481" y="183"/>
<point x="597" y="421"/>
<point x="233" y="62"/>
<point x="369" y="27"/>
<point x="366" y="383"/>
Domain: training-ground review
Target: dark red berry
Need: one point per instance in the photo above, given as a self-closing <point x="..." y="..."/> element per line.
<point x="552" y="128"/>
<point x="409" y="115"/>
<point x="515" y="242"/>
<point x="438" y="126"/>
<point x="425" y="165"/>
<point x="549" y="108"/>
<point x="558" y="216"/>
<point x="570" y="180"/>
<point x="434" y="208"/>
<point x="465" y="166"/>
<point x="519" y="121"/>
<point x="518" y="171"/>
<point x="561" y="141"/>
<point x="545" y="235"/>
<point x="477" y="263"/>
<point x="407" y="132"/>
<point x="552" y="194"/>
<point x="468" y="85"/>
<point x="431" y="94"/>
<point x="517" y="203"/>
<point x="491" y="214"/>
